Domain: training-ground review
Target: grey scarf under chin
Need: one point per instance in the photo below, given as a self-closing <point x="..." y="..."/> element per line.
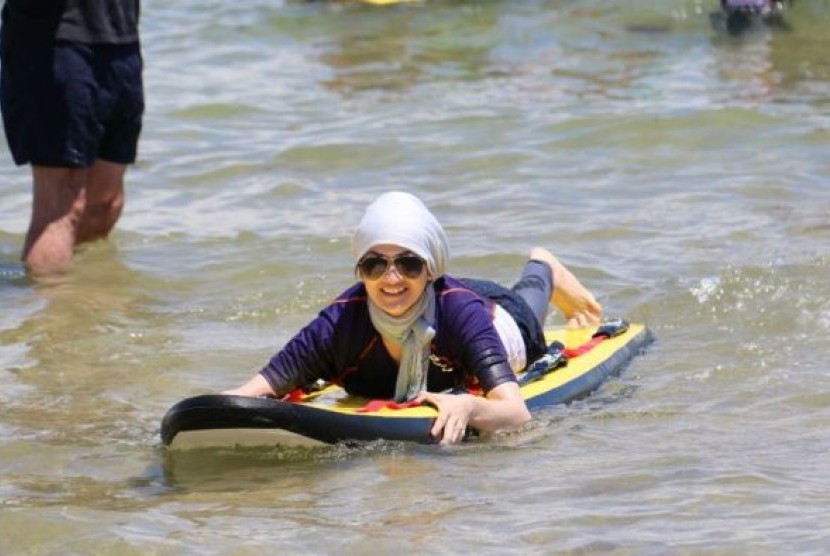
<point x="413" y="331"/>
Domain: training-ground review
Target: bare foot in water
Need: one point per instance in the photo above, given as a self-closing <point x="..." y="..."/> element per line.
<point x="573" y="299"/>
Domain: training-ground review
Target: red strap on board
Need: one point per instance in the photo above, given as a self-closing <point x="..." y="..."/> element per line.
<point x="295" y="396"/>
<point x="584" y="348"/>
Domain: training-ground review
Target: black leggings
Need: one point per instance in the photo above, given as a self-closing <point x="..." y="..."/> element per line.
<point x="535" y="286"/>
<point x="527" y="302"/>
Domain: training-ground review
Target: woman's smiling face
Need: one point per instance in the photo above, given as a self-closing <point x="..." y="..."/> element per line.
<point x="393" y="292"/>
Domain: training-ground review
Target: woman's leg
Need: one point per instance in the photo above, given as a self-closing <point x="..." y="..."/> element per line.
<point x="574" y="301"/>
<point x="535" y="286"/>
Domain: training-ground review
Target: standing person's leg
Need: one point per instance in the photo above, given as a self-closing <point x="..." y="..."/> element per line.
<point x="123" y="91"/>
<point x="104" y="200"/>
<point x="58" y="204"/>
<point x="71" y="206"/>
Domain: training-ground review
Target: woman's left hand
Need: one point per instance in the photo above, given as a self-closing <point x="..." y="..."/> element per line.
<point x="454" y="413"/>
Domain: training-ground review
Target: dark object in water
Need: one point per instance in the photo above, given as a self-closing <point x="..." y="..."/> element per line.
<point x="740" y="16"/>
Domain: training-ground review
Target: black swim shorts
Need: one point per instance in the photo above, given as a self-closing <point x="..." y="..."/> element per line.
<point x="68" y="104"/>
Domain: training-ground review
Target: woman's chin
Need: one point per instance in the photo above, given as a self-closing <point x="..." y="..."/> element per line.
<point x="395" y="307"/>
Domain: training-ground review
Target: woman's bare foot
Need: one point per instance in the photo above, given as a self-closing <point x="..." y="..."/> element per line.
<point x="576" y="303"/>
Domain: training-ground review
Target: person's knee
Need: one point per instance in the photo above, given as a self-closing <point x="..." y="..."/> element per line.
<point x="105" y="199"/>
<point x="109" y="205"/>
<point x="105" y="210"/>
<point x="99" y="218"/>
<point x="58" y="193"/>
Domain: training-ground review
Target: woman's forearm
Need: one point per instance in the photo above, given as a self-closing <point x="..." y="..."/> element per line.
<point x="257" y="386"/>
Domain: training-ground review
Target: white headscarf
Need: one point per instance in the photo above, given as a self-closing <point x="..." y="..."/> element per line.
<point x="398" y="218"/>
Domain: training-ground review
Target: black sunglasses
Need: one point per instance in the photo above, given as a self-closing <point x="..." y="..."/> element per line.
<point x="374" y="266"/>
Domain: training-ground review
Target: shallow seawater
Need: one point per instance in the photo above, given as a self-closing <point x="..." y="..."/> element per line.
<point x="681" y="173"/>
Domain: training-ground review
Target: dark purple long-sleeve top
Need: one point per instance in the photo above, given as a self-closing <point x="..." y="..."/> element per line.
<point x="342" y="346"/>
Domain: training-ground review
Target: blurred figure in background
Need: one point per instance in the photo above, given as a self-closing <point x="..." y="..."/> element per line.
<point x="739" y="16"/>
